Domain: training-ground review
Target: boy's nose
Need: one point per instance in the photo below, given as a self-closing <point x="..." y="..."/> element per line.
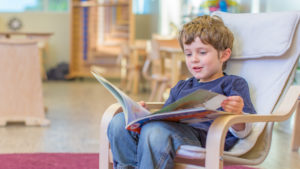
<point x="195" y="58"/>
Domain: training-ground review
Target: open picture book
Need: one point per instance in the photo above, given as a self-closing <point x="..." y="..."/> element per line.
<point x="198" y="106"/>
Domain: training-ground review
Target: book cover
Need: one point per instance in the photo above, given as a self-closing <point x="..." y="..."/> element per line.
<point x="198" y="106"/>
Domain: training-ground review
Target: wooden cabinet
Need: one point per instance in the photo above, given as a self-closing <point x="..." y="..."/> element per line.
<point x="21" y="94"/>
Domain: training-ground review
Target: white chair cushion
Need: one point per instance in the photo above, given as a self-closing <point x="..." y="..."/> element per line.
<point x="242" y="147"/>
<point x="258" y="35"/>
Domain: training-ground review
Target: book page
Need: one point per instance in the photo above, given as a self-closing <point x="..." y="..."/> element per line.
<point x="131" y="109"/>
<point x="196" y="107"/>
<point x="188" y="116"/>
<point x="199" y="98"/>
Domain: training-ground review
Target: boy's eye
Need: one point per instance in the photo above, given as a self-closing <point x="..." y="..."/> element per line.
<point x="203" y="52"/>
<point x="188" y="54"/>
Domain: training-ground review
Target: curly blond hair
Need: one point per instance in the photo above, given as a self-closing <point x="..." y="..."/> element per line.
<point x="210" y="29"/>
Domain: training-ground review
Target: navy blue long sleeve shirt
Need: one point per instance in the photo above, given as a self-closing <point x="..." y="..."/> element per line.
<point x="228" y="85"/>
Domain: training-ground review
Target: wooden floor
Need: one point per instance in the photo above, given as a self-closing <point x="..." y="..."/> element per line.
<point x="75" y="109"/>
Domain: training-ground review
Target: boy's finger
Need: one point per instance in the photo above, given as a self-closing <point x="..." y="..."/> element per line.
<point x="233" y="109"/>
<point x="233" y="103"/>
<point x="142" y="103"/>
<point x="234" y="98"/>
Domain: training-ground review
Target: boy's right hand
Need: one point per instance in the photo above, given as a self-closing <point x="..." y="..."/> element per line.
<point x="142" y="103"/>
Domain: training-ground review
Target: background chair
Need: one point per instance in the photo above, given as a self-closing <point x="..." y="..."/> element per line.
<point x="157" y="67"/>
<point x="266" y="52"/>
<point x="131" y="59"/>
<point x="21" y="95"/>
<point x="122" y="60"/>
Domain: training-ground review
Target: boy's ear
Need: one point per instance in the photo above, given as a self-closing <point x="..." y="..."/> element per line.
<point x="225" y="55"/>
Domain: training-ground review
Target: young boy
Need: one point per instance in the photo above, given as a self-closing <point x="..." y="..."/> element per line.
<point x="206" y="43"/>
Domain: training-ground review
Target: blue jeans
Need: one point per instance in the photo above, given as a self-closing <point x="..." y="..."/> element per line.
<point x="154" y="148"/>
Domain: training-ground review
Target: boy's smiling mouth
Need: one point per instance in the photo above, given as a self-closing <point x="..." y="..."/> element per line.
<point x="197" y="68"/>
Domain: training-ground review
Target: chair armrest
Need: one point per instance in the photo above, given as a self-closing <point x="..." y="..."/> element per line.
<point x="106" y="118"/>
<point x="154" y="105"/>
<point x="218" y="129"/>
<point x="104" y="143"/>
<point x="108" y="115"/>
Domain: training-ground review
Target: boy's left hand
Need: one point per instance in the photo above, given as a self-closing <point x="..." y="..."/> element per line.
<point x="234" y="104"/>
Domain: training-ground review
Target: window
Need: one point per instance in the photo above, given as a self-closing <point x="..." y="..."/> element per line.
<point x="141" y="7"/>
<point x="34" y="5"/>
<point x="57" y="5"/>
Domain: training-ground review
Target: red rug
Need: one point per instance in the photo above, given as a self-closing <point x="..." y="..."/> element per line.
<point x="58" y="161"/>
<point x="50" y="161"/>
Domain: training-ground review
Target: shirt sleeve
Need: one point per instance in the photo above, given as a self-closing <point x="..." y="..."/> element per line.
<point x="174" y="92"/>
<point x="240" y="88"/>
<point x="243" y="133"/>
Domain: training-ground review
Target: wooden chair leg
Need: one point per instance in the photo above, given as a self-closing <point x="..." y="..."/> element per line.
<point x="296" y="132"/>
<point x="136" y="81"/>
<point x="124" y="80"/>
<point x="153" y="91"/>
<point x="161" y="90"/>
<point x="129" y="81"/>
<point x="124" y="72"/>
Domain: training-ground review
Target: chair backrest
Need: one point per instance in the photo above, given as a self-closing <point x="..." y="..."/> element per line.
<point x="266" y="51"/>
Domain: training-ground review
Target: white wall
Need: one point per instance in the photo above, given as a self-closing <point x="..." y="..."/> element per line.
<point x="57" y="23"/>
<point x="280" y="5"/>
<point x="169" y="14"/>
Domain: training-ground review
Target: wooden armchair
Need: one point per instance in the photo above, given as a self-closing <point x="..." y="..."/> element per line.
<point x="266" y="53"/>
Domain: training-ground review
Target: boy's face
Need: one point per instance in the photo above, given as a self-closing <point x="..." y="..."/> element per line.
<point x="203" y="60"/>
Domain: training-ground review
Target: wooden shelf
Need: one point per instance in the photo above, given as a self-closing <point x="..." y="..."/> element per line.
<point x="92" y="4"/>
<point x="84" y="4"/>
<point x="113" y="4"/>
<point x="112" y="28"/>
